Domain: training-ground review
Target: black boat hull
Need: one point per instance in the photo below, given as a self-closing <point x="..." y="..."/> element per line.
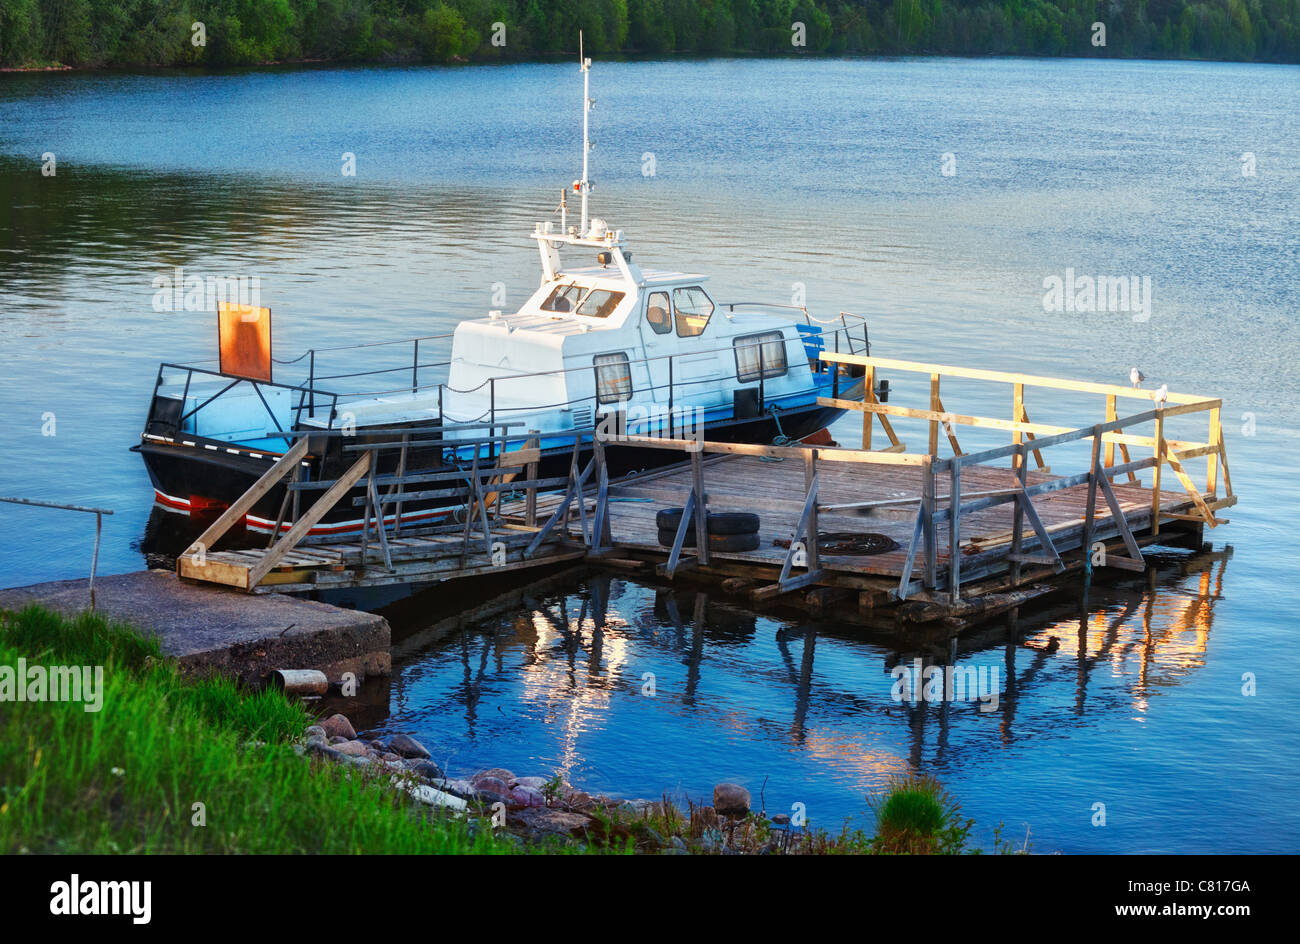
<point x="201" y="478"/>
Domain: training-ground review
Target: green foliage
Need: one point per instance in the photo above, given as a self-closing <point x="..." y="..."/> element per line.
<point x="126" y="778"/>
<point x="917" y="816"/>
<point x="88" y="33"/>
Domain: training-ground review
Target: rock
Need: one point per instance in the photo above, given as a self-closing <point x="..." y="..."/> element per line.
<point x="337" y="725"/>
<point x="540" y="823"/>
<point x="407" y="746"/>
<point x="577" y="800"/>
<point x="427" y="794"/>
<point x="425" y="769"/>
<point x="313" y="732"/>
<point x="781" y="819"/>
<point x="461" y="788"/>
<point x="491" y="798"/>
<point x="338" y="739"/>
<point x="677" y="844"/>
<point x="535" y="783"/>
<point x="731" y="799"/>
<point x="352" y="748"/>
<point x="527" y="796"/>
<point x="496" y="773"/>
<point x="390" y="758"/>
<point x="378" y="745"/>
<point x="491" y="785"/>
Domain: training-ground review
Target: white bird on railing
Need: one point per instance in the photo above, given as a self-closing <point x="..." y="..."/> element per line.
<point x="1161" y="396"/>
<point x="1136" y="376"/>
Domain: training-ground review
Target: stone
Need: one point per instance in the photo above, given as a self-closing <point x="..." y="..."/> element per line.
<point x="313" y="732"/>
<point x="338" y="739"/>
<point x="407" y="746"/>
<point x="390" y="758"/>
<point x="577" y="800"/>
<point x="337" y="725"/>
<point x="781" y="819"/>
<point x="541" y="823"/>
<point x="731" y="799"/>
<point x="491" y="785"/>
<point x="496" y="773"/>
<point x="678" y="844"/>
<point x="527" y="796"/>
<point x="461" y="788"/>
<point x="425" y="769"/>
<point x="535" y="783"/>
<point x="491" y="798"/>
<point x="352" y="748"/>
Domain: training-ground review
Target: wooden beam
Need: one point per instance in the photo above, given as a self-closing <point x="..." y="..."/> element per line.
<point x="1028" y="380"/>
<point x="245" y="502"/>
<point x="310" y="518"/>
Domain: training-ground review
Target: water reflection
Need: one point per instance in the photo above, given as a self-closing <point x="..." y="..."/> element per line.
<point x="633" y="688"/>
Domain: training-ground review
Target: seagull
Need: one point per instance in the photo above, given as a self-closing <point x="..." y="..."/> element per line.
<point x="1136" y="376"/>
<point x="1162" y="395"/>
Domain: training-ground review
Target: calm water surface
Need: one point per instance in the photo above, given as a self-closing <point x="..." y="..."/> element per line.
<point x="767" y="174"/>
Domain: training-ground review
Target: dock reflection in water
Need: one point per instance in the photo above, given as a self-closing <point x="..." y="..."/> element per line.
<point x="637" y="690"/>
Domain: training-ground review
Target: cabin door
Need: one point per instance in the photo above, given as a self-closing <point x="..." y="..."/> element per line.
<point x="659" y="342"/>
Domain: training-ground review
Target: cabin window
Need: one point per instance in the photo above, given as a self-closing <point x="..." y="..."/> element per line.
<point x="564" y="298"/>
<point x="694" y="309"/>
<point x="613" y="378"/>
<point x="658" y="314"/>
<point x="599" y="303"/>
<point x="767" y="348"/>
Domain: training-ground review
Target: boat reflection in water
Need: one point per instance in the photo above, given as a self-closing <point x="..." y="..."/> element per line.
<point x="634" y="689"/>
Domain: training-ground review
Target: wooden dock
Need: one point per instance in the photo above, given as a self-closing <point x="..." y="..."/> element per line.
<point x="961" y="537"/>
<point x="875" y="534"/>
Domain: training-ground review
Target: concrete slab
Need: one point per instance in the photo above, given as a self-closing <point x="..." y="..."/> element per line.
<point x="212" y="629"/>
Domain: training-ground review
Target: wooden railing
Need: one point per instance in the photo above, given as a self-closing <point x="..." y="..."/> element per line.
<point x="1030" y="438"/>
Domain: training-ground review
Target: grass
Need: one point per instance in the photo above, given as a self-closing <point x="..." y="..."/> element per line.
<point x="172" y="764"/>
<point x="127" y="778"/>
<point x="917" y="816"/>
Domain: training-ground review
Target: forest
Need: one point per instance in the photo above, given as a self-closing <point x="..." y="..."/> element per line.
<point x="133" y="34"/>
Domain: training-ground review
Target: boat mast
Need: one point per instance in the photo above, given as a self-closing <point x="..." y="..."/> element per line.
<point x="586" y="141"/>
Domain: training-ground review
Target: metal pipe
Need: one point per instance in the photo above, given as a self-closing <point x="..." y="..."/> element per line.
<point x="300" y="681"/>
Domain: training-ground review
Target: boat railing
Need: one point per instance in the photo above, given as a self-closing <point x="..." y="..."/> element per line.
<point x="822" y="336"/>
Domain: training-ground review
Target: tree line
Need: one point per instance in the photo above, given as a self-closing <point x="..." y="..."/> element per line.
<point x="156" y="33"/>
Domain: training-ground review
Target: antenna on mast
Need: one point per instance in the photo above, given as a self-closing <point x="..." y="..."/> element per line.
<point x="584" y="184"/>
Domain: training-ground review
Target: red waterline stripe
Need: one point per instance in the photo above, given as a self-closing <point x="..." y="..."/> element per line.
<point x="265" y="525"/>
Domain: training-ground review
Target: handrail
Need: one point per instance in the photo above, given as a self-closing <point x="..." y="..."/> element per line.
<point x="99" y="527"/>
<point x="309" y="394"/>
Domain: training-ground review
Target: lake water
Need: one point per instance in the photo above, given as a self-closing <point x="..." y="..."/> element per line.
<point x="774" y="177"/>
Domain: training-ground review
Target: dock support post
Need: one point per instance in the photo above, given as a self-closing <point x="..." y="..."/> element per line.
<point x="954" y="532"/>
<point x="1212" y="458"/>
<point x="927" y="518"/>
<point x="934" y="408"/>
<point x="701" y="508"/>
<point x="1155" y="474"/>
<point x="1021" y="462"/>
<point x="1090" y="513"/>
<point x="530" y="497"/>
<point x="1111" y="415"/>
<point x="868" y="418"/>
<point x="810" y="485"/>
<point x="1017" y="407"/>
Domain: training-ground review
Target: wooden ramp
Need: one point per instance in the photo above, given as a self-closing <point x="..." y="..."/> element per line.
<point x="386" y="552"/>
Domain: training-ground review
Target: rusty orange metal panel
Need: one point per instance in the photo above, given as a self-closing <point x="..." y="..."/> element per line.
<point x="244" y="337"/>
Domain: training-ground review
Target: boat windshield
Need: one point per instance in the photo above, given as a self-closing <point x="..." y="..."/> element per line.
<point x="599" y="303"/>
<point x="593" y="303"/>
<point x="564" y="298"/>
